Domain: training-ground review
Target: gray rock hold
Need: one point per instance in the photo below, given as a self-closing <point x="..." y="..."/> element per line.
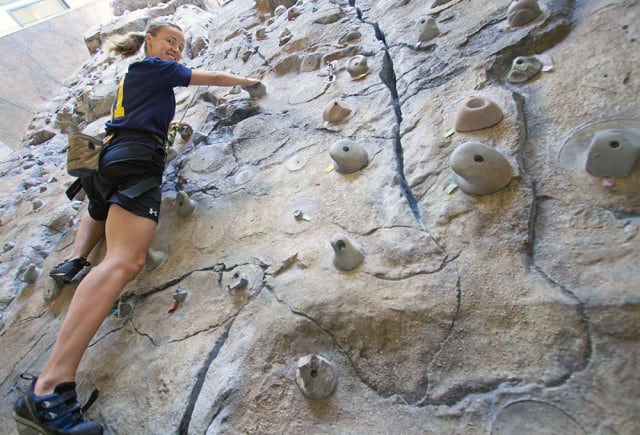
<point x="348" y="156"/>
<point x="478" y="169"/>
<point x="524" y="68"/>
<point x="521" y="12"/>
<point x="154" y="259"/>
<point x="316" y="377"/>
<point x="476" y="113"/>
<point x="293" y="13"/>
<point x="261" y="33"/>
<point x="534" y="416"/>
<point x="184" y="204"/>
<point x="31" y="274"/>
<point x="179" y="295"/>
<point x="347" y="256"/>
<point x="240" y="283"/>
<point x="613" y="152"/>
<point x="329" y="17"/>
<point x="258" y="90"/>
<point x="427" y="29"/>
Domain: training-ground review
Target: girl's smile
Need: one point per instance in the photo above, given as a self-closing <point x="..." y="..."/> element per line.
<point x="167" y="44"/>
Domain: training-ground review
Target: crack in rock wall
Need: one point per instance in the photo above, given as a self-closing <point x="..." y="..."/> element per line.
<point x="512" y="311"/>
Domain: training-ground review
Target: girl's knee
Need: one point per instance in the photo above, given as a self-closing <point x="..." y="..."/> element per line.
<point x="126" y="267"/>
<point x="134" y="266"/>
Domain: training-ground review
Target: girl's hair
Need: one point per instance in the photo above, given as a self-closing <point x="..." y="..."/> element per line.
<point x="129" y="44"/>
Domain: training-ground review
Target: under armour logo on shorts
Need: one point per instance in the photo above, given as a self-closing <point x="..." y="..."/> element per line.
<point x="153" y="212"/>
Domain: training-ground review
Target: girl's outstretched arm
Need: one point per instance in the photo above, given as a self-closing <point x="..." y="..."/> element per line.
<point x="219" y="78"/>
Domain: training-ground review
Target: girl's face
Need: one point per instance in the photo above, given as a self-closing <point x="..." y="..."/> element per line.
<point x="167" y="44"/>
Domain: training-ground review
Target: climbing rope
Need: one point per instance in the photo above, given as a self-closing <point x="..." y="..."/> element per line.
<point x="175" y="127"/>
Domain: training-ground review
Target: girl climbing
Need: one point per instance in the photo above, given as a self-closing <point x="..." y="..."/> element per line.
<point x="124" y="204"/>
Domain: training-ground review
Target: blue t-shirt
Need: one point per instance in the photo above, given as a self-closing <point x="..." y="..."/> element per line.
<point x="145" y="99"/>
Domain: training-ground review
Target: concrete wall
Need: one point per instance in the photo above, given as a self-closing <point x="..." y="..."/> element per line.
<point x="36" y="62"/>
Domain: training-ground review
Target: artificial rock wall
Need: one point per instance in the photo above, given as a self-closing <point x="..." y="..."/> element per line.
<point x="37" y="61"/>
<point x="460" y="281"/>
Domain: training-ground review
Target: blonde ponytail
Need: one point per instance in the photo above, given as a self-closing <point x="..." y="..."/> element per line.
<point x="129" y="44"/>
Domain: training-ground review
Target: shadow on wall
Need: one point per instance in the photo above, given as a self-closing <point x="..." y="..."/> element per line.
<point x="36" y="62"/>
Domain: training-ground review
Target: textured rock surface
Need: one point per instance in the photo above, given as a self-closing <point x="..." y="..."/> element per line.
<point x="469" y="314"/>
<point x="36" y="66"/>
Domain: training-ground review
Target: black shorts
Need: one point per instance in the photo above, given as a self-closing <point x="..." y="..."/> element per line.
<point x="130" y="175"/>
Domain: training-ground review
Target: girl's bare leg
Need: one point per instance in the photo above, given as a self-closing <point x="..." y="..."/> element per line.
<point x="87" y="237"/>
<point x="128" y="239"/>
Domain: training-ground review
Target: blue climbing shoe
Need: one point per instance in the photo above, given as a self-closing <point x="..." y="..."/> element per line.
<point x="65" y="271"/>
<point x="58" y="413"/>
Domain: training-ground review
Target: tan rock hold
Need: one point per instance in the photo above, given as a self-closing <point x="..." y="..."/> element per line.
<point x="287" y="65"/>
<point x="311" y="62"/>
<point x="478" y="169"/>
<point x="349" y="37"/>
<point x="336" y="113"/>
<point x="357" y="67"/>
<point x="476" y="113"/>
